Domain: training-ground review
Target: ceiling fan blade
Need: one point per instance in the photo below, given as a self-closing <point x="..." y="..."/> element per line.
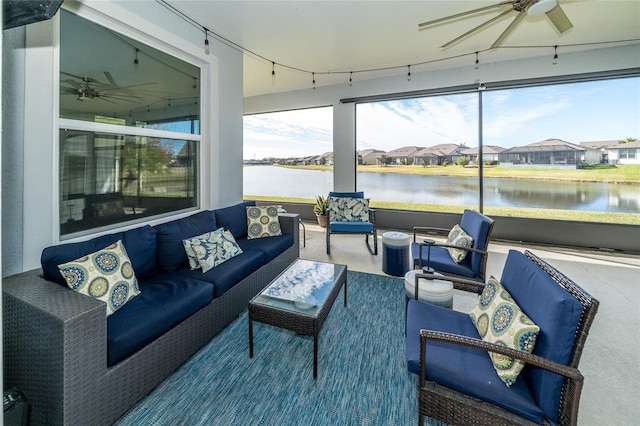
<point x="478" y="28"/>
<point x="85" y="78"/>
<point x="559" y="19"/>
<point x="73" y="83"/>
<point x="512" y="26"/>
<point x="468" y="12"/>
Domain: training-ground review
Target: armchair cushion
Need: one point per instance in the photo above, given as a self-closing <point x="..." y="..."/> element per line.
<point x="348" y="209"/>
<point x="440" y="260"/>
<point x="556" y="312"/>
<point x="500" y="320"/>
<point x="465" y="369"/>
<point x="457" y="237"/>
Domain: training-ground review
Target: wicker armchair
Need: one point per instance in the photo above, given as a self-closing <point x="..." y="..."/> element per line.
<point x="345" y="218"/>
<point x="435" y="256"/>
<point x="450" y="404"/>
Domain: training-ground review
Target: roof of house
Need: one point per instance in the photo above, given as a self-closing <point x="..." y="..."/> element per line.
<point x="405" y="151"/>
<point x="635" y="144"/>
<point x="441" y="150"/>
<point x="598" y="144"/>
<point x="486" y="149"/>
<point x="366" y="152"/>
<point x="555" y="145"/>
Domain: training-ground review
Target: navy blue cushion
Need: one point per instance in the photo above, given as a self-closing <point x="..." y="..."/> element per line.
<point x="440" y="260"/>
<point x="477" y="227"/>
<point x="270" y="246"/>
<point x="555" y="311"/>
<point x="351" y="227"/>
<point x="234" y="218"/>
<point x="229" y="273"/>
<point x="359" y="194"/>
<point x="171" y="254"/>
<point x="140" y="244"/>
<point x="164" y="301"/>
<point x="55" y="255"/>
<point x="467" y="370"/>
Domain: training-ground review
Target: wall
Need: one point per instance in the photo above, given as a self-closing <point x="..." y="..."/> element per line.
<point x="29" y="208"/>
<point x="616" y="237"/>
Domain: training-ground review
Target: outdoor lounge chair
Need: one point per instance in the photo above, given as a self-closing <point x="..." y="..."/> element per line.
<point x="433" y="255"/>
<point x="458" y="383"/>
<point x="349" y="213"/>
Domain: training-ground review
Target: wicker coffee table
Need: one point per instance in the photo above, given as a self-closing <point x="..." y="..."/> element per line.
<point x="299" y="299"/>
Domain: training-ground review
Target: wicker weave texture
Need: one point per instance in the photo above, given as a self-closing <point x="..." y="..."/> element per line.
<point x="452" y="407"/>
<point x="55" y="344"/>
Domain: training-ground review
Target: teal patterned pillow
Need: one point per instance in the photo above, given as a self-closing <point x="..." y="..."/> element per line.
<point x="215" y="249"/>
<point x="347" y="209"/>
<point x="262" y="222"/>
<point x="105" y="275"/>
<point x="457" y="237"/>
<point x="191" y="256"/>
<point x="500" y="320"/>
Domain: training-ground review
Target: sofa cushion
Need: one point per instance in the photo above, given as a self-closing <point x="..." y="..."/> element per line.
<point x="500" y="320"/>
<point x="467" y="370"/>
<point x="140" y="244"/>
<point x="271" y="247"/>
<point x="555" y="311"/>
<point x="234" y="218"/>
<point x="171" y="254"/>
<point x="230" y="272"/>
<point x="165" y="300"/>
<point x="262" y="222"/>
<point x="458" y="237"/>
<point x="214" y="248"/>
<point x="106" y="275"/>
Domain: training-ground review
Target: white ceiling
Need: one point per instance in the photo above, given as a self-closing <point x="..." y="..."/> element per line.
<point x="343" y="36"/>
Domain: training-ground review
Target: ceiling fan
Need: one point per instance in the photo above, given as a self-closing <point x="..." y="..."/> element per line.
<point x="522" y="7"/>
<point x="87" y="88"/>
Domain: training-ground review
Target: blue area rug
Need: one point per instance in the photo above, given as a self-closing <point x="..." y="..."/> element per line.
<point x="362" y="374"/>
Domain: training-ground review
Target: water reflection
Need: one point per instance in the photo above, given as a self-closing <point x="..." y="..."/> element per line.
<point x="596" y="197"/>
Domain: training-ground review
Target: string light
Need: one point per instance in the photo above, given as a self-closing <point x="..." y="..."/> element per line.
<point x="273" y="72"/>
<point x="195" y="81"/>
<point x="555" y="55"/>
<point x="477" y="61"/>
<point x="206" y="41"/>
<point x="351" y="78"/>
<point x="408" y="72"/>
<point x="135" y="60"/>
<point x="314" y="80"/>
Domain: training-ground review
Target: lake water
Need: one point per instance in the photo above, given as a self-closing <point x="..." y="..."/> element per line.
<point x="598" y="197"/>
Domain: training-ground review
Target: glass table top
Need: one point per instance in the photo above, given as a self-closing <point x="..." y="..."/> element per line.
<point x="302" y="287"/>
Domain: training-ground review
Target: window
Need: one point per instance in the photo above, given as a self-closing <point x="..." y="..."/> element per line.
<point x="129" y="129"/>
<point x="548" y="151"/>
<point x="288" y="154"/>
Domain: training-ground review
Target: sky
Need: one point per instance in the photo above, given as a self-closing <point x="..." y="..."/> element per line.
<point x="576" y="112"/>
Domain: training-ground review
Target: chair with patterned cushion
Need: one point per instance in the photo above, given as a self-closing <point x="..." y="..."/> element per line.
<point x="513" y="359"/>
<point x="349" y="213"/>
<point x="463" y="254"/>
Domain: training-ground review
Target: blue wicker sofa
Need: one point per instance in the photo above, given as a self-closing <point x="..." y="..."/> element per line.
<point x="78" y="366"/>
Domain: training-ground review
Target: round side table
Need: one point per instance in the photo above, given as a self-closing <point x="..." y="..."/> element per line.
<point x="395" y="253"/>
<point x="438" y="292"/>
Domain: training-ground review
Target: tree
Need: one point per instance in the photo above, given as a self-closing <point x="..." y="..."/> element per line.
<point x="628" y="140"/>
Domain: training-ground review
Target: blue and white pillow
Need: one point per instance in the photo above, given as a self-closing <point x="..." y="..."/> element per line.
<point x="105" y="275"/>
<point x="214" y="249"/>
<point x="262" y="221"/>
<point x="191" y="256"/>
<point x="347" y="209"/>
<point x="500" y="320"/>
<point x="457" y="237"/>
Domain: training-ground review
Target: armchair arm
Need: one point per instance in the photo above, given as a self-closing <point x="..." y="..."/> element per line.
<point x="459" y="283"/>
<point x="372" y="217"/>
<point x="427" y="230"/>
<point x="574" y="379"/>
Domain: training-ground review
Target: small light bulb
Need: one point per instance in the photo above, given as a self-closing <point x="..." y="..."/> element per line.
<point x="408" y="72"/>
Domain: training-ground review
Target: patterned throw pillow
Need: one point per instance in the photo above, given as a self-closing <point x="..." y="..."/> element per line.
<point x="105" y="275"/>
<point x="262" y="222"/>
<point x="191" y="255"/>
<point x="457" y="237"/>
<point x="347" y="209"/>
<point x="500" y="320"/>
<point x="215" y="249"/>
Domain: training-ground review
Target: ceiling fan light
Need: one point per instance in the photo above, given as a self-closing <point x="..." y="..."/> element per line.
<point x="541" y="7"/>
